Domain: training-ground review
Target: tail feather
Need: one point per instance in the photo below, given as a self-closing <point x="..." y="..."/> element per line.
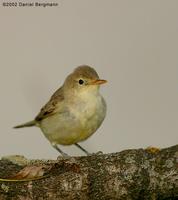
<point x="28" y="124"/>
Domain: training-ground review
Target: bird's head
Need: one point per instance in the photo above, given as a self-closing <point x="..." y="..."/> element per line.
<point x="83" y="79"/>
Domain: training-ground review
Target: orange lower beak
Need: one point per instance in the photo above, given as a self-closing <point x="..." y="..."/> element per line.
<point x="98" y="82"/>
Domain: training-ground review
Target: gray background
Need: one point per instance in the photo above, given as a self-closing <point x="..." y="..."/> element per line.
<point x="132" y="44"/>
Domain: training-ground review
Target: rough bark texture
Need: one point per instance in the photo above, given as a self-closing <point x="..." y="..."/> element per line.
<point x="129" y="175"/>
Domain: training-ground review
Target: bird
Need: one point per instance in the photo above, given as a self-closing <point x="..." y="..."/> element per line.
<point x="74" y="112"/>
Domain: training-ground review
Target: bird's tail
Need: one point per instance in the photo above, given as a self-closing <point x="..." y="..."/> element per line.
<point x="28" y="124"/>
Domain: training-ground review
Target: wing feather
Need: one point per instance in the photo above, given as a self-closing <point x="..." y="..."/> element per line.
<point x="50" y="108"/>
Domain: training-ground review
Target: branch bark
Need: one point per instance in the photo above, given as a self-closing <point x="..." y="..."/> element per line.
<point x="129" y="175"/>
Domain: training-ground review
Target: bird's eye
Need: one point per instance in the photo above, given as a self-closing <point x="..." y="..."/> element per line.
<point x="81" y="82"/>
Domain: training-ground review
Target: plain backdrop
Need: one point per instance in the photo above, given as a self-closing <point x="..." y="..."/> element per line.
<point x="132" y="44"/>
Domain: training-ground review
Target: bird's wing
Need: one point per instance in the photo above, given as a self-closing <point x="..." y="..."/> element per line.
<point x="51" y="107"/>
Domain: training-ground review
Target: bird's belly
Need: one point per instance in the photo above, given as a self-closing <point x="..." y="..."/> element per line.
<point x="73" y="126"/>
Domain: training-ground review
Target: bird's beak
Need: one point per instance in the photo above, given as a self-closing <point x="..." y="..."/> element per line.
<point x="98" y="82"/>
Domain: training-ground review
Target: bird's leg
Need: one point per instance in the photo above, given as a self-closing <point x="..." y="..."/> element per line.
<point x="59" y="150"/>
<point x="81" y="148"/>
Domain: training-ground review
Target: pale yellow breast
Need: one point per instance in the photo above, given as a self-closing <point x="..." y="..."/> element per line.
<point x="81" y="120"/>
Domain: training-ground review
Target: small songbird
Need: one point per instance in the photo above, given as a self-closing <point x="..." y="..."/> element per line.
<point x="74" y="112"/>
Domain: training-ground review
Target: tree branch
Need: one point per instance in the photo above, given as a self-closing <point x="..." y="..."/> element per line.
<point x="129" y="175"/>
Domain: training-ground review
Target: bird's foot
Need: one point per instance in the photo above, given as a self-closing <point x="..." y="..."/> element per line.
<point x="98" y="153"/>
<point x="63" y="154"/>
